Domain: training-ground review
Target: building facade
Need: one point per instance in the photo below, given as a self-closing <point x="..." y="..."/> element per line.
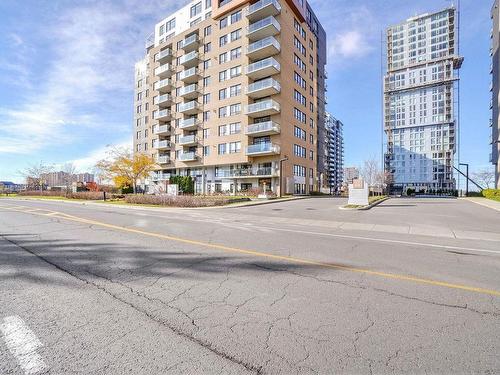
<point x="334" y="148"/>
<point x="350" y="174"/>
<point x="421" y="102"/>
<point x="495" y="88"/>
<point x="227" y="90"/>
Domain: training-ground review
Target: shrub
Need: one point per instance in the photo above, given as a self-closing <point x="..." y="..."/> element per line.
<point x="491" y="193"/>
<point x="182" y="200"/>
<point x="186" y="183"/>
<point x="410" y="191"/>
<point x="87" y="195"/>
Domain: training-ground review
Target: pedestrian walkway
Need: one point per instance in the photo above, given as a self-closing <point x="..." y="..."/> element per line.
<point x="495" y="205"/>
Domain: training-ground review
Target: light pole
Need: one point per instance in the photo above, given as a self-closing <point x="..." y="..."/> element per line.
<point x="281" y="174"/>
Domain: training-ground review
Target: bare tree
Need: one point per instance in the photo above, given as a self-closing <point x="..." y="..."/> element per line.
<point x="485" y="177"/>
<point x="69" y="177"/>
<point x="35" y="175"/>
<point x="371" y="172"/>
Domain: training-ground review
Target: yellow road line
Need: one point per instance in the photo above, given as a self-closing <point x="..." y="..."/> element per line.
<point x="386" y="275"/>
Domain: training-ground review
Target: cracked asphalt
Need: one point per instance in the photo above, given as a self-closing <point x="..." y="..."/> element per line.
<point x="301" y="287"/>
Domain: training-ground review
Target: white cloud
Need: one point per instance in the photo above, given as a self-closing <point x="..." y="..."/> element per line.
<point x="87" y="163"/>
<point x="94" y="49"/>
<point x="348" y="45"/>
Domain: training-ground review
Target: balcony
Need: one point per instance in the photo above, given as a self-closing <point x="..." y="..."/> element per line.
<point x="264" y="108"/>
<point x="188" y="140"/>
<point x="265" y="87"/>
<point x="163" y="100"/>
<point x="190" y="76"/>
<point x="263" y="128"/>
<point x="268" y="26"/>
<point x="190" y="59"/>
<point x="164" y="56"/>
<point x="189" y="91"/>
<point x="162" y="130"/>
<point x="190" y="43"/>
<point x="263" y="68"/>
<point x="160" y="176"/>
<point x="189" y="124"/>
<point x="188" y="156"/>
<point x="259" y="149"/>
<point x="163" y="159"/>
<point x="189" y="108"/>
<point x="163" y="115"/>
<point x="162" y="145"/>
<point x="163" y="86"/>
<point x="164" y="71"/>
<point x="263" y="8"/>
<point x="263" y="48"/>
<point x="247" y="172"/>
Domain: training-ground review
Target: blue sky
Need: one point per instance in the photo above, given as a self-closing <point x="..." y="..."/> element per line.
<point x="66" y="72"/>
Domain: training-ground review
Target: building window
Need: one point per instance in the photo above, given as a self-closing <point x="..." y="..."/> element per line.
<point x="235" y="17"/>
<point x="235" y="53"/>
<point x="222" y="130"/>
<point x="222" y="112"/>
<point x="299" y="151"/>
<point x="234" y="147"/>
<point x="222" y="58"/>
<point x="235" y="71"/>
<point x="207" y="47"/>
<point x="206" y="150"/>
<point x="235" y="90"/>
<point x="207" y="31"/>
<point x="235" y="109"/>
<point x="207" y="64"/>
<point x="206" y="133"/>
<point x="222" y="148"/>
<point x="223" y="23"/>
<point x="222" y="94"/>
<point x="223" y="40"/>
<point x="299" y="133"/>
<point x="206" y="98"/>
<point x="195" y="10"/>
<point x="206" y="116"/>
<point x="235" y="128"/>
<point x="222" y="75"/>
<point x="235" y="35"/>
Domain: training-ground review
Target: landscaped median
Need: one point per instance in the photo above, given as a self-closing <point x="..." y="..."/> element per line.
<point x="372" y="201"/>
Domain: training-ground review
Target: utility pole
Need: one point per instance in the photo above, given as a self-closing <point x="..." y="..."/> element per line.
<point x="466" y="178"/>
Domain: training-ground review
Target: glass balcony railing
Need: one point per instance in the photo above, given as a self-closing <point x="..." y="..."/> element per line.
<point x="263" y="148"/>
<point x="263" y="127"/>
<point x="164" y="159"/>
<point x="189" y="73"/>
<point x="264" y="8"/>
<point x="162" y="129"/>
<point x="189" y="89"/>
<point x="161" y="176"/>
<point x="189" y="106"/>
<point x="269" y="42"/>
<point x="189" y="57"/>
<point x="269" y="23"/>
<point x="162" y="99"/>
<point x="268" y="105"/>
<point x="247" y="172"/>
<point x="188" y="139"/>
<point x="164" y="83"/>
<point x="190" y="41"/>
<point x="165" y="54"/>
<point x="165" y="69"/>
<point x="269" y="66"/>
<point x="268" y="83"/>
<point x="188" y="123"/>
<point x="162" y="114"/>
<point x="162" y="144"/>
<point x="187" y="156"/>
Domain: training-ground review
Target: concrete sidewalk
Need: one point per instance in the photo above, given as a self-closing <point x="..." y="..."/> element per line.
<point x="485" y="202"/>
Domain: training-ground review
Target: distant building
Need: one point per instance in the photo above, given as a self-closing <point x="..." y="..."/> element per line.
<point x="495" y="88"/>
<point x="350" y="173"/>
<point x="334" y="148"/>
<point x="61" y="179"/>
<point x="8" y="186"/>
<point x="421" y="102"/>
<point x="84" y="177"/>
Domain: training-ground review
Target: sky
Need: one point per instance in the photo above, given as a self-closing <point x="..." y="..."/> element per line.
<point x="66" y="75"/>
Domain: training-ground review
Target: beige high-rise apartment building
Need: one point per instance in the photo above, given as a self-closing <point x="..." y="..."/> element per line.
<point x="229" y="90"/>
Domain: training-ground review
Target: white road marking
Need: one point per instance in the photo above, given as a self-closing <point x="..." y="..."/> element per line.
<point x="22" y="343"/>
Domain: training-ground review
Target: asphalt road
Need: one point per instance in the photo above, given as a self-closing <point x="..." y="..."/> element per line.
<point x="302" y="287"/>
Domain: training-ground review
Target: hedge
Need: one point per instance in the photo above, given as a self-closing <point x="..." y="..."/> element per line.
<point x="182" y="200"/>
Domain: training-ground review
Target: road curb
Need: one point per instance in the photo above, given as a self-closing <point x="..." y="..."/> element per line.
<point x="480" y="203"/>
<point x="270" y="201"/>
<point x="365" y="207"/>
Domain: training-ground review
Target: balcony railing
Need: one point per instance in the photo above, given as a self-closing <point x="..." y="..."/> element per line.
<point x="164" y="70"/>
<point x="162" y="129"/>
<point x="163" y="114"/>
<point x="265" y="87"/>
<point x="263" y="48"/>
<point x="166" y="54"/>
<point x="164" y="159"/>
<point x="263" y="108"/>
<point x="161" y="144"/>
<point x="268" y="26"/>
<point x="161" y="99"/>
<point x="190" y="58"/>
<point x="263" y="68"/>
<point x="263" y="128"/>
<point x="189" y="123"/>
<point x="190" y="42"/>
<point x="188" y="90"/>
<point x="189" y="75"/>
<point x="188" y="140"/>
<point x="188" y="156"/>
<point x="263" y="8"/>
<point x="189" y="107"/>
<point x="247" y="172"/>
<point x="263" y="149"/>
<point x="163" y="85"/>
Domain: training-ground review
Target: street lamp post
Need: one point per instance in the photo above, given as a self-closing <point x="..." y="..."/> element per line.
<point x="281" y="174"/>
